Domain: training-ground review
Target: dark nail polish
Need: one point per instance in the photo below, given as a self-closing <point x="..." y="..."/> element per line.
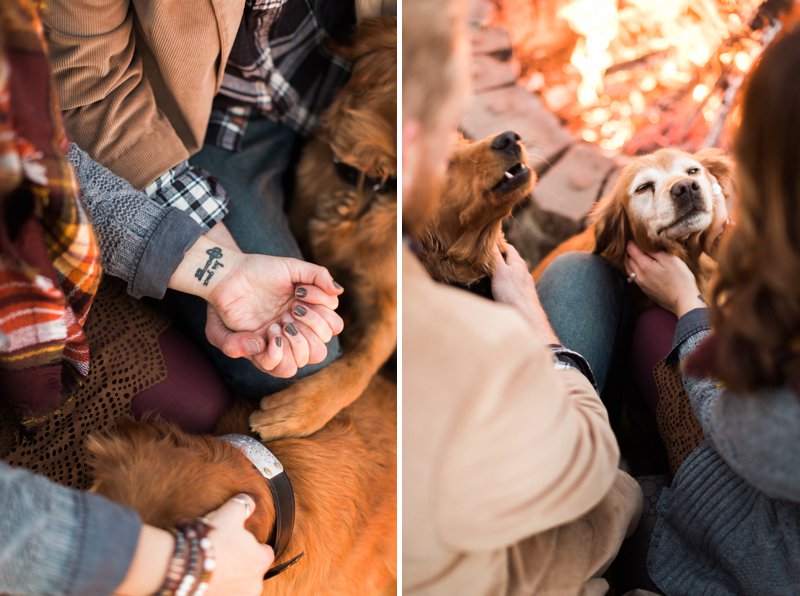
<point x="291" y="330"/>
<point x="301" y="292"/>
<point x="300" y="311"/>
<point x="337" y="286"/>
<point x="278" y="341"/>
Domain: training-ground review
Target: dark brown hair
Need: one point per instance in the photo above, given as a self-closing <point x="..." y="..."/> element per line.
<point x="756" y="295"/>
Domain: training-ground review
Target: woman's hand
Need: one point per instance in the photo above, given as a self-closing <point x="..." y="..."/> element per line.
<point x="512" y="284"/>
<point x="241" y="560"/>
<point x="665" y="279"/>
<point x="276" y="311"/>
<point x="274" y="298"/>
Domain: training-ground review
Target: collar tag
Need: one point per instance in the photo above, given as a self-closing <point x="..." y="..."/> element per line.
<point x="262" y="458"/>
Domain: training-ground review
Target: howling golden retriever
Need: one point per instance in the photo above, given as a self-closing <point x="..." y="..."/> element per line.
<point x="662" y="202"/>
<point x="485" y="181"/>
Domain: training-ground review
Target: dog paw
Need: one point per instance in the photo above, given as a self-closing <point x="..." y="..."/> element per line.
<point x="292" y="413"/>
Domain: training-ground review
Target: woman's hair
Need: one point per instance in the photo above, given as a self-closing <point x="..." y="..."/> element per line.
<point x="756" y="296"/>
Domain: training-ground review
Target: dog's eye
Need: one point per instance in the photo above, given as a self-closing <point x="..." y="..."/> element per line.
<point x="646" y="186"/>
<point x="692" y="171"/>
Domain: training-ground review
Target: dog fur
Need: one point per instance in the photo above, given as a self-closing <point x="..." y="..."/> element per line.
<point x="456" y="246"/>
<point x="652" y="218"/>
<point x="344" y="478"/>
<point x="351" y="231"/>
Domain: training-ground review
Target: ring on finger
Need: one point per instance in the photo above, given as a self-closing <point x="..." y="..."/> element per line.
<point x="246" y="504"/>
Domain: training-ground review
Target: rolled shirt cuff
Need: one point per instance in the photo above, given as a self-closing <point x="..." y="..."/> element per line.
<point x="175" y="234"/>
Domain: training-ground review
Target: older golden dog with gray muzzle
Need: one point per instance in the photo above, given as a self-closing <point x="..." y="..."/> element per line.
<point x="664" y="201"/>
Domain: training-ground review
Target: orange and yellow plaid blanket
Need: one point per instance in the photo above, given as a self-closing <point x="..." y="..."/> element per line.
<point x="49" y="261"/>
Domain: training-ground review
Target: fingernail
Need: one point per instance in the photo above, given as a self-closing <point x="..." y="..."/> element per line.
<point x="275" y="329"/>
<point x="278" y="341"/>
<point x="300" y="292"/>
<point x="300" y="311"/>
<point x="253" y="346"/>
<point x="336" y="285"/>
<point x="291" y="330"/>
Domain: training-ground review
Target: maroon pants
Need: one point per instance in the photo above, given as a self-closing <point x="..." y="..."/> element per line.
<point x="652" y="339"/>
<point x="193" y="395"/>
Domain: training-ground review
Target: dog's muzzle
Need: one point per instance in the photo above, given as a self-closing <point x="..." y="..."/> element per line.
<point x="282" y="494"/>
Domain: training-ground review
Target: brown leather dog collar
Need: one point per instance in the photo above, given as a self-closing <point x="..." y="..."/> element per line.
<point x="356" y="178"/>
<point x="282" y="494"/>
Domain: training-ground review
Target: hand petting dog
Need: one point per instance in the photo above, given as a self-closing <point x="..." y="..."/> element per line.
<point x="512" y="284"/>
<point x="665" y="278"/>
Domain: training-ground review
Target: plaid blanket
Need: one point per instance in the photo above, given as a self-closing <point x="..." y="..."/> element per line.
<point x="49" y="261"/>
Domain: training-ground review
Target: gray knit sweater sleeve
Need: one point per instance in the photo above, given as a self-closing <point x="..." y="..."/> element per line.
<point x="58" y="541"/>
<point x="757" y="434"/>
<point x="141" y="241"/>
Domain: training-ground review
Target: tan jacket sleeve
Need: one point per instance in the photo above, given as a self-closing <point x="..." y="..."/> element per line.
<point x="532" y="450"/>
<point x="109" y="106"/>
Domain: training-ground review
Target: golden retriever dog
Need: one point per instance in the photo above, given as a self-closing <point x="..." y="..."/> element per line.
<point x="485" y="181"/>
<point x="345" y="211"/>
<point x="662" y="202"/>
<point x="343" y="476"/>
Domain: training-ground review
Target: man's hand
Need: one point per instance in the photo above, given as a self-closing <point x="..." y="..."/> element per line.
<point x="512" y="284"/>
<point x="276" y="311"/>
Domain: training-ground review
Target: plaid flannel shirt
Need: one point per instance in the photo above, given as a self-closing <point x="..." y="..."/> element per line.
<point x="193" y="190"/>
<point x="278" y="69"/>
<point x="566" y="359"/>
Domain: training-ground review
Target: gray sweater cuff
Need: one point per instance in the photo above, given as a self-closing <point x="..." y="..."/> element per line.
<point x="691" y="323"/>
<point x="59" y="541"/>
<point x="174" y="235"/>
<point x="139" y="239"/>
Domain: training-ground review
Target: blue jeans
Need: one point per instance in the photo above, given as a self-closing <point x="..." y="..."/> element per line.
<point x="586" y="301"/>
<point x="254" y="180"/>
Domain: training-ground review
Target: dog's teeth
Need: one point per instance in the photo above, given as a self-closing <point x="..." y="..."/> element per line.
<point x="509" y="175"/>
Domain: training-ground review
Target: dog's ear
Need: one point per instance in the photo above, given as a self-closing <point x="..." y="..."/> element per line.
<point x="379" y="33"/>
<point x="612" y="230"/>
<point x="720" y="165"/>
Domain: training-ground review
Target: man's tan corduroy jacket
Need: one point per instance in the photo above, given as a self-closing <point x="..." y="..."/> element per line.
<point x="510" y="479"/>
<point x="137" y="77"/>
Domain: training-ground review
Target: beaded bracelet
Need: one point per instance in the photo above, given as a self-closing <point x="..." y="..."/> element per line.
<point x="177" y="566"/>
<point x="192" y="563"/>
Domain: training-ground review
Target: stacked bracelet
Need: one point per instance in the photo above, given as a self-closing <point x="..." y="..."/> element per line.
<point x="192" y="562"/>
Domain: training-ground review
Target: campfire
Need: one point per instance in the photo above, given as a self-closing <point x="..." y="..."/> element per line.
<point x="635" y="75"/>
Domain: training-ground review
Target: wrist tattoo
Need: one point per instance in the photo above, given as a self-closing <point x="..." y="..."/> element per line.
<point x="214" y="262"/>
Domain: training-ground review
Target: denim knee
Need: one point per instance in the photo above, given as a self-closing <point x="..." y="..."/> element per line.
<point x="580" y="270"/>
<point x="586" y="302"/>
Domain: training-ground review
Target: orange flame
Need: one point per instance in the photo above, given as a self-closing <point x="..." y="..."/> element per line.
<point x="630" y="54"/>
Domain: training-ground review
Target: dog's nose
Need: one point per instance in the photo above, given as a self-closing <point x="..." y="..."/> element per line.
<point x="685" y="191"/>
<point x="506" y="142"/>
